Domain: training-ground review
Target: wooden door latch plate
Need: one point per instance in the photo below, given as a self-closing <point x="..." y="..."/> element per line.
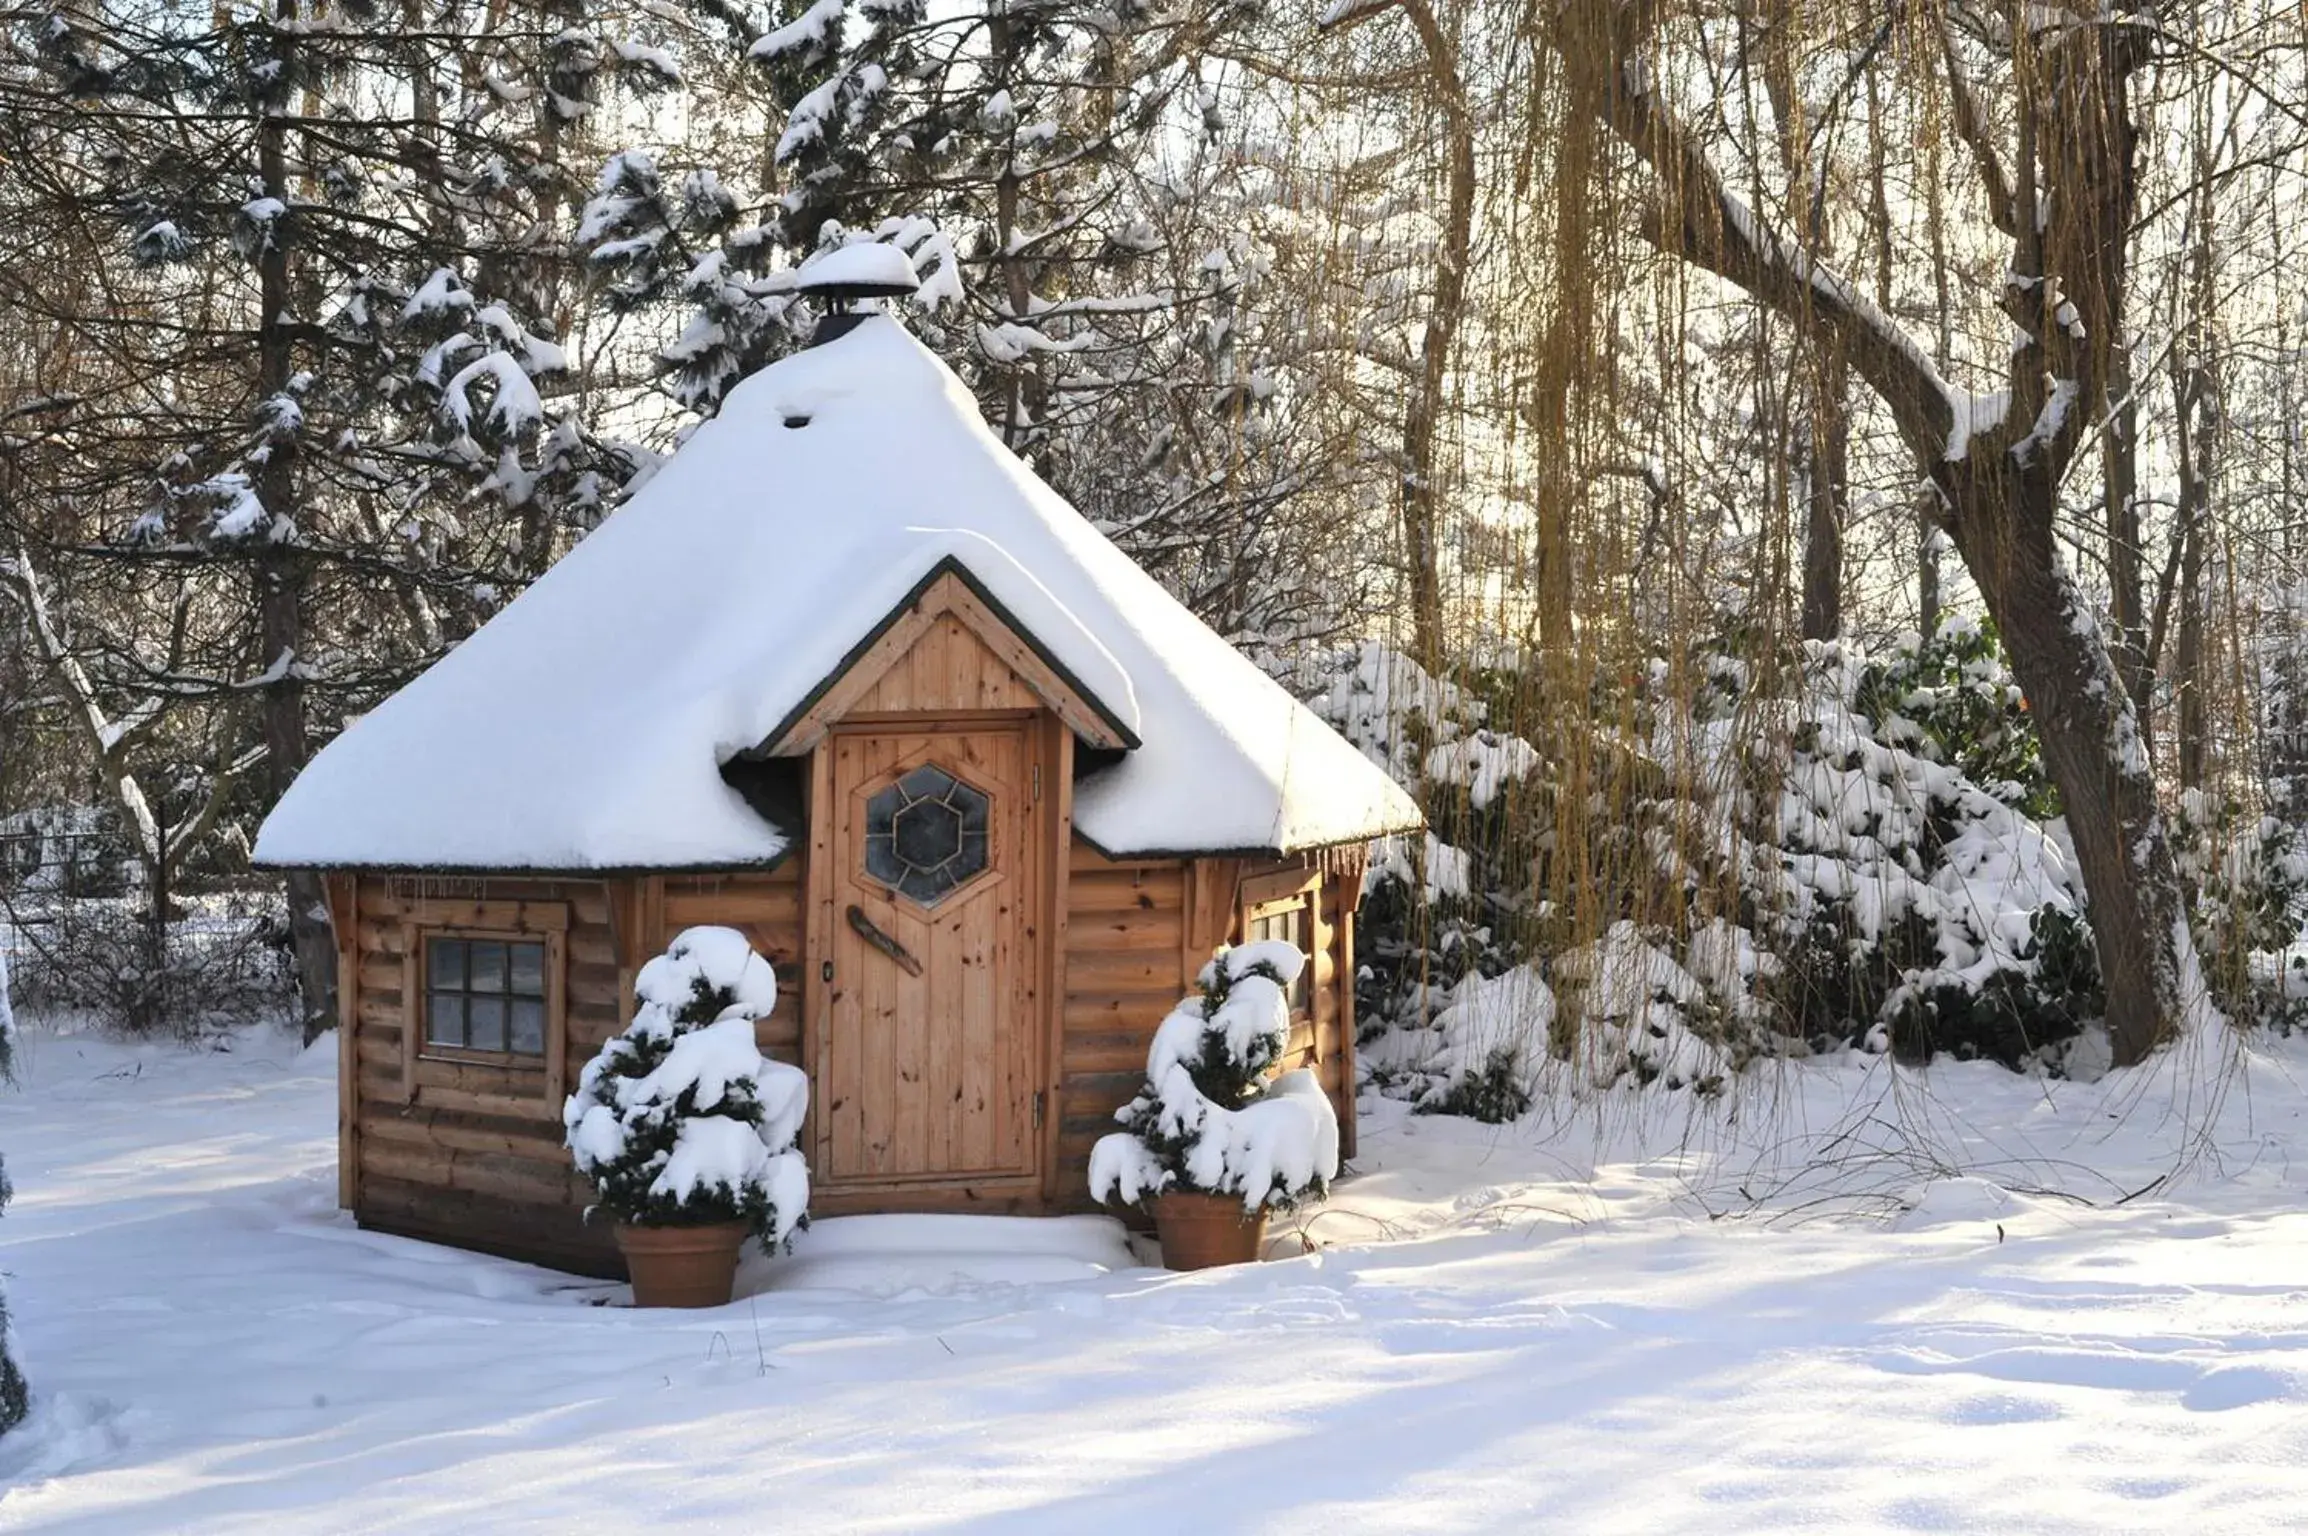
<point x="864" y="927"/>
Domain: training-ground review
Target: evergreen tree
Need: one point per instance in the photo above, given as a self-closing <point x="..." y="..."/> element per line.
<point x="1208" y="1120"/>
<point x="1084" y="211"/>
<point x="680" y="1121"/>
<point x="300" y="431"/>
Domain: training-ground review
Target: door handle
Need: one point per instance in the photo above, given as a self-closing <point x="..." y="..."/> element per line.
<point x="863" y="927"/>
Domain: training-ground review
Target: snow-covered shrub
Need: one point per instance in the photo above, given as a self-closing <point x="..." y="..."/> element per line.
<point x="217" y="960"/>
<point x="1481" y="1056"/>
<point x="1740" y="851"/>
<point x="1620" y="1009"/>
<point x="1907" y="878"/>
<point x="1207" y="1120"/>
<point x="15" y="1394"/>
<point x="1951" y="699"/>
<point x="2275" y="994"/>
<point x="1628" y="1010"/>
<point x="2278" y="655"/>
<point x="1422" y="929"/>
<point x="2244" y="855"/>
<point x="680" y="1120"/>
<point x="2247" y="877"/>
<point x="2248" y="874"/>
<point x="1432" y="914"/>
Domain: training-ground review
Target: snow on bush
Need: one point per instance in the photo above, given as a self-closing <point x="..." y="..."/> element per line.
<point x="1915" y="879"/>
<point x="1482" y="1055"/>
<point x="1382" y="701"/>
<point x="1425" y="923"/>
<point x="680" y="1120"/>
<point x="2247" y="875"/>
<point x="1862" y="850"/>
<point x="15" y="1394"/>
<point x="1619" y="1009"/>
<point x="1207" y="1120"/>
<point x="1642" y="1015"/>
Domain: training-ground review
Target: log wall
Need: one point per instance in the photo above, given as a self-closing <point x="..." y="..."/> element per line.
<point x="1137" y="934"/>
<point x="1125" y="964"/>
<point x="460" y="1152"/>
<point x="471" y="1154"/>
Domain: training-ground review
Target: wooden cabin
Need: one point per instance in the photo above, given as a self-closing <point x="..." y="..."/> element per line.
<point x="845" y="676"/>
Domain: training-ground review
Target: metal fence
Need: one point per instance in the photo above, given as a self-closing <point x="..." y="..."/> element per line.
<point x="45" y="869"/>
<point x="73" y="893"/>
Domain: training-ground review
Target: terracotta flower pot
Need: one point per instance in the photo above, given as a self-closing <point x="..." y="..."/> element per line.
<point x="682" y="1266"/>
<point x="1205" y="1231"/>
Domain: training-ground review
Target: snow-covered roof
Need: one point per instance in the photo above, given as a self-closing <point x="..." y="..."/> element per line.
<point x="584" y="726"/>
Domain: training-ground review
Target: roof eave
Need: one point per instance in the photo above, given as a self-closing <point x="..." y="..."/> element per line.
<point x="523" y="871"/>
<point x="1294" y="850"/>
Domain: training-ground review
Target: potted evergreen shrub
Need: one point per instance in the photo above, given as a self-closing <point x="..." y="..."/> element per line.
<point x="686" y="1129"/>
<point x="1210" y="1144"/>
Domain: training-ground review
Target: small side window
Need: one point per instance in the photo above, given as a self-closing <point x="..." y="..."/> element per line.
<point x="486" y="995"/>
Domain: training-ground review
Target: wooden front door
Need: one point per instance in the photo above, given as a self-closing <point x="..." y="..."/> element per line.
<point x="927" y="1064"/>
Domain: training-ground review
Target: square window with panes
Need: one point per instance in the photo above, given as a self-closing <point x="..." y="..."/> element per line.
<point x="485" y="995"/>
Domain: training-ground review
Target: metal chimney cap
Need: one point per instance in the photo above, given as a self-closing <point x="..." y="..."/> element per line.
<point x="867" y="270"/>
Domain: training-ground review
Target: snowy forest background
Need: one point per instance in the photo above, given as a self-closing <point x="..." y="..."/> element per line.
<point x="1808" y="493"/>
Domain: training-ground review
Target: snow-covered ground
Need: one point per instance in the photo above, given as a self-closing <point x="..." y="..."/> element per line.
<point x="1870" y="1300"/>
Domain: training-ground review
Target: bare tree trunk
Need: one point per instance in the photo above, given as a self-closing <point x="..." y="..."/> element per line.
<point x="1420" y="500"/>
<point x="1827" y="494"/>
<point x="1818" y="394"/>
<point x="2067" y="206"/>
<point x="279" y="576"/>
<point x="2091" y="747"/>
<point x="1927" y="574"/>
<point x="2120" y="469"/>
<point x="2199" y="421"/>
<point x="2188" y="656"/>
<point x="1562" y="358"/>
<point x="1021" y="403"/>
<point x="2196" y="396"/>
<point x="1927" y="600"/>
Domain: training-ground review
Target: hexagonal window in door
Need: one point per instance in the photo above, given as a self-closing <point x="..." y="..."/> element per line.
<point x="926" y="834"/>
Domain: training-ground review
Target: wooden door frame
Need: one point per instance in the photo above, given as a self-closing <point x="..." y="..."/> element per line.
<point x="1055" y="848"/>
<point x="1049" y="752"/>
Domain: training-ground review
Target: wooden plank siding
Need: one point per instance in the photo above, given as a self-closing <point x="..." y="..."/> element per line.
<point x="947" y="668"/>
<point x="767" y="909"/>
<point x="1137" y="933"/>
<point x="471" y="1153"/>
<point x="465" y="1152"/>
<point x="1124" y="970"/>
<point x="945" y="651"/>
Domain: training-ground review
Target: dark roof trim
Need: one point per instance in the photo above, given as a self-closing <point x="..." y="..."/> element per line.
<point x="953" y="566"/>
<point x="1241" y="853"/>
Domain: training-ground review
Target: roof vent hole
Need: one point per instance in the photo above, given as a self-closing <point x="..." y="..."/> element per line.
<point x="797" y="421"/>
